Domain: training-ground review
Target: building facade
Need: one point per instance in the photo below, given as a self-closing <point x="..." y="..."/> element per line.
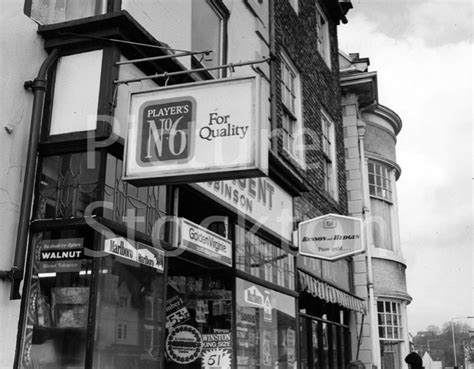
<point x="93" y="275"/>
<point x="370" y="131"/>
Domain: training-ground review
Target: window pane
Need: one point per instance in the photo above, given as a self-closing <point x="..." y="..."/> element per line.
<point x="207" y="26"/>
<point x="265" y="334"/>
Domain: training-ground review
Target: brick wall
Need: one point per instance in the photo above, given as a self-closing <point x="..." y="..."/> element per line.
<point x="296" y="35"/>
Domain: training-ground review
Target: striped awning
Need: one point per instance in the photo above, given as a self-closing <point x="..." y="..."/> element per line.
<point x="326" y="292"/>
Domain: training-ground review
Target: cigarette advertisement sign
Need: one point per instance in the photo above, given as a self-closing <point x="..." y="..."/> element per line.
<point x="201" y="241"/>
<point x="216" y="351"/>
<point x="139" y="253"/>
<point x="330" y="237"/>
<point x="60" y="255"/>
<point x="195" y="131"/>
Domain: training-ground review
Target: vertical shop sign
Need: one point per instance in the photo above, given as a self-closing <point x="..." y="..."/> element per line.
<point x="61" y="255"/>
<point x="216" y="351"/>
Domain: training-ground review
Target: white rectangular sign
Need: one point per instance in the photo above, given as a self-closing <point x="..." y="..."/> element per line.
<point x="204" y="242"/>
<point x="260" y="199"/>
<point x="141" y="254"/>
<point x="196" y="131"/>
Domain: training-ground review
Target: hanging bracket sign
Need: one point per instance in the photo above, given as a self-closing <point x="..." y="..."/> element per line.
<point x="196" y="131"/>
<point x="330" y="237"/>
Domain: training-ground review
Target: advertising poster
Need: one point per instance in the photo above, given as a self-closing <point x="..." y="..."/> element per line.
<point x="62" y="255"/>
<point x="216" y="351"/>
<point x="184" y="344"/>
<point x="266" y="349"/>
<point x="176" y="312"/>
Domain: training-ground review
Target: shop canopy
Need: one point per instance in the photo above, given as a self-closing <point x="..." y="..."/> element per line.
<point x="326" y="292"/>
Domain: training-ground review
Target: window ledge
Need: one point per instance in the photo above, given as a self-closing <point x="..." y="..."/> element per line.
<point x="285" y="175"/>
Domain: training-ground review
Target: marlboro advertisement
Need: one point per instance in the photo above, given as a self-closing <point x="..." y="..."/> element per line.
<point x="197" y="131"/>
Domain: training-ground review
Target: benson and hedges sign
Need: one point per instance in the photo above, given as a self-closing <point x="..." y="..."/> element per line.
<point x="190" y="132"/>
<point x="330" y="237"/>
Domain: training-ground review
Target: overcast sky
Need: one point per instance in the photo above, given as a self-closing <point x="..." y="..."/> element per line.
<point x="422" y="51"/>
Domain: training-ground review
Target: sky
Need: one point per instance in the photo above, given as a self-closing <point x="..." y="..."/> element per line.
<point x="422" y="51"/>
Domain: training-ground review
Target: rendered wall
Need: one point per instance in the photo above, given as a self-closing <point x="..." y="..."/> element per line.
<point x="21" y="56"/>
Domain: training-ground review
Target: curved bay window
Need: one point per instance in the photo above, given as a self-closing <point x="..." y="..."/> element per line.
<point x="390" y="333"/>
<point x="381" y="190"/>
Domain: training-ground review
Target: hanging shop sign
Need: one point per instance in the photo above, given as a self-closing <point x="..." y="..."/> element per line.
<point x="139" y="253"/>
<point x="260" y="199"/>
<point x="216" y="351"/>
<point x="192" y="132"/>
<point x="330" y="237"/>
<point x="201" y="241"/>
<point x="60" y="255"/>
<point x="184" y="344"/>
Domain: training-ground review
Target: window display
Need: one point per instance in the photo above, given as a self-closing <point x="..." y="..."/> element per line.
<point x="198" y="317"/>
<point x="266" y="327"/>
<point x="58" y="303"/>
<point x="129" y="315"/>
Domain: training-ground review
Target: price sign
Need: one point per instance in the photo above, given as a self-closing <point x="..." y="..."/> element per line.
<point x="216" y="359"/>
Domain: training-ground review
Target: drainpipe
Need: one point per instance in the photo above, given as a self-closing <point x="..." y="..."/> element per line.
<point x="38" y="86"/>
<point x="368" y="231"/>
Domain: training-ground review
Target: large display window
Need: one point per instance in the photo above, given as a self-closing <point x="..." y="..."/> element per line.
<point x="198" y="316"/>
<point x="265" y="327"/>
<point x="129" y="315"/>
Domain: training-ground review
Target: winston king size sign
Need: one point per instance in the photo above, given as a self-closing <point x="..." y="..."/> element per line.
<point x="198" y="131"/>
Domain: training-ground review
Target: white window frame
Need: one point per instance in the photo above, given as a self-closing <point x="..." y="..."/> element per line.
<point x="328" y="148"/>
<point x="217" y="55"/>
<point x="292" y="126"/>
<point x="71" y="10"/>
<point x="322" y="35"/>
<point x="390" y="320"/>
<point x="380" y="181"/>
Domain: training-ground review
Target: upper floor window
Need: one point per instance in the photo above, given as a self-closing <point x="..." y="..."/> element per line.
<point x="329" y="155"/>
<point x="322" y="35"/>
<point x="209" y="32"/>
<point x="291" y="100"/>
<point x="56" y="11"/>
<point x="389" y="320"/>
<point x="122" y="331"/>
<point x="380" y="184"/>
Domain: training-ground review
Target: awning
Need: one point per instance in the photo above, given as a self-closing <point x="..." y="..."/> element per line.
<point x="329" y="293"/>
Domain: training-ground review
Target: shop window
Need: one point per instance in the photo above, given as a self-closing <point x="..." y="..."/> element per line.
<point x="266" y="327"/>
<point x="380" y="184"/>
<point x="209" y="18"/>
<point x="260" y="258"/>
<point x="198" y="316"/>
<point x="324" y="343"/>
<point x="322" y="35"/>
<point x="58" y="300"/>
<point x="67" y="185"/>
<point x="291" y="118"/>
<point x="389" y="320"/>
<point x="329" y="156"/>
<point x="56" y="11"/>
<point x="129" y="315"/>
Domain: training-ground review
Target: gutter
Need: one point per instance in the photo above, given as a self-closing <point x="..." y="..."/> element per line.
<point x="38" y="86"/>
